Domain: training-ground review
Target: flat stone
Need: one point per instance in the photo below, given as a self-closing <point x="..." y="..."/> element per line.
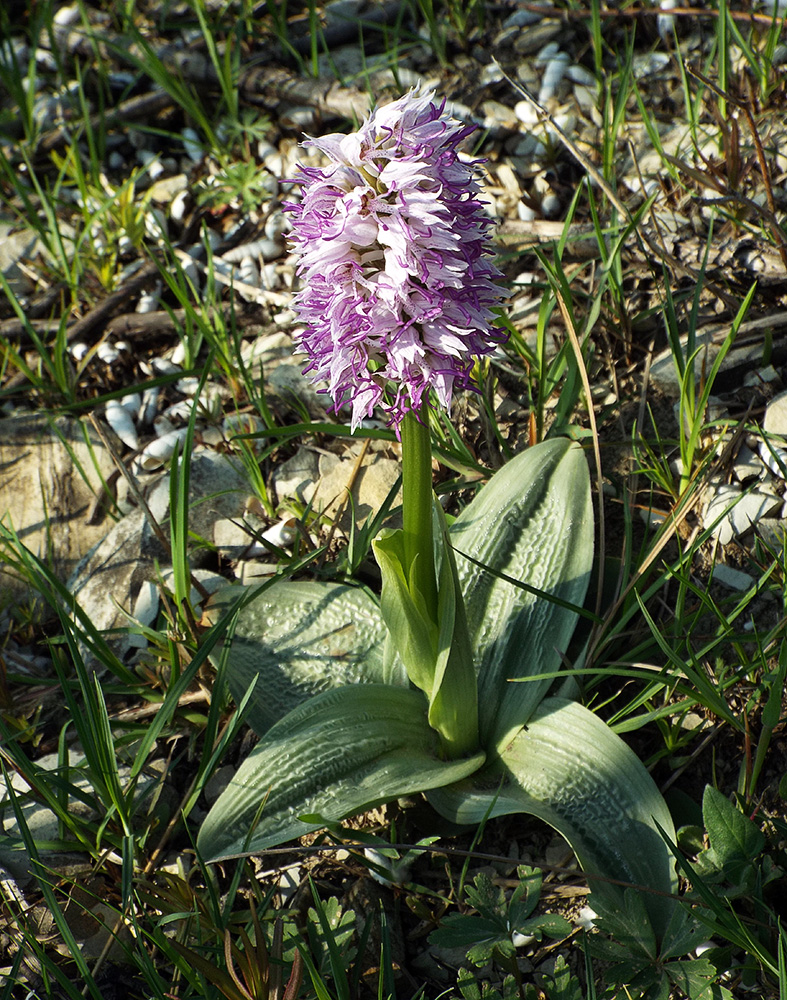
<point x="772" y="531"/>
<point x="369" y="488"/>
<point x="737" y="362"/>
<point x="733" y="579"/>
<point x="234" y="536"/>
<point x="289" y="382"/>
<point x="775" y="420"/>
<point x="736" y="520"/>
<point x="14" y="248"/>
<point x="250" y="571"/>
<point x="760" y="376"/>
<point x="50" y="474"/>
<point x="266" y="351"/>
<point x="747" y="465"/>
<point x="297" y="477"/>
<point x="131" y="555"/>
<point x="164" y="190"/>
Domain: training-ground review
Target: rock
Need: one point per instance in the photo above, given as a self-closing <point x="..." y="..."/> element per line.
<point x="762" y="375"/>
<point x="737" y="362"/>
<point x="297" y="477"/>
<point x="733" y="579"/>
<point x="250" y="571"/>
<point x="265" y="352"/>
<point x="16" y="247"/>
<point x="737" y="512"/>
<point x="115" y="571"/>
<point x="747" y="465"/>
<point x="164" y="190"/>
<point x="289" y="382"/>
<point x="370" y="487"/>
<point x="217" y="783"/>
<point x="41" y="821"/>
<point x="774" y="458"/>
<point x="773" y="532"/>
<point x="775" y="420"/>
<point x="50" y="474"/>
<point x="234" y="536"/>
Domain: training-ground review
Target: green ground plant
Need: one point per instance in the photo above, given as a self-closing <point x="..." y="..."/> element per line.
<point x="692" y="676"/>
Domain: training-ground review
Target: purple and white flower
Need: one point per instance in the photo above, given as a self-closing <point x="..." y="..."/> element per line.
<point x="396" y="283"/>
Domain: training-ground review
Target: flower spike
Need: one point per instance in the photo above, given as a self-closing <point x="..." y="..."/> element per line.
<point x="396" y="285"/>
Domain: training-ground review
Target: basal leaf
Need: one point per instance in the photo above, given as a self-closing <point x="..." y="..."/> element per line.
<point x="300" y="638"/>
<point x="532" y="522"/>
<point x="568" y="768"/>
<point x="335" y="755"/>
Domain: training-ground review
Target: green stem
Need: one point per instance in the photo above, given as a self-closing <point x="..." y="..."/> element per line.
<point x="417" y="508"/>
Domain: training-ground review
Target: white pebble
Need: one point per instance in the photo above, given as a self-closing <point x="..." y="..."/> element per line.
<point x="192" y="145"/>
<point x="180" y="411"/>
<point x="147" y="410"/>
<point x="148" y="301"/>
<point x="264" y="148"/>
<point x="119" y="419"/>
<point x="161" y="449"/>
<point x="269" y="277"/>
<point x="282" y="535"/>
<point x="132" y="403"/>
<point x="665" y="23"/>
<point x="550" y="205"/>
<point x="275" y="225"/>
<point x="526" y="113"/>
<point x="192" y="273"/>
<point x="266" y="248"/>
<point x="553" y="75"/>
<point x="150" y="160"/>
<point x="156" y="223"/>
<point x="78" y="351"/>
<point x="549" y="51"/>
<point x="177" y="209"/>
<point x="188" y="386"/>
<point x="578" y="74"/>
<point x="144" y="612"/>
<point x="162" y="426"/>
<point x="66" y="16"/>
<point x="107" y="353"/>
<point x="161" y="366"/>
<point x="46" y="61"/>
<point x="178" y="356"/>
<point x="249" y="273"/>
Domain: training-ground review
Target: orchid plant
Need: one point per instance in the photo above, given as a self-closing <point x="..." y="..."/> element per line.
<point x="443" y="685"/>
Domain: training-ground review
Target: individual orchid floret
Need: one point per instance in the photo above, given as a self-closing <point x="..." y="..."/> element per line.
<point x="396" y="283"/>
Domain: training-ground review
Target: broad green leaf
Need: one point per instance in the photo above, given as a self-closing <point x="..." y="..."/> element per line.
<point x="533" y="522"/>
<point x="300" y="638"/>
<point x="453" y="707"/>
<point x="735" y="840"/>
<point x="413" y="634"/>
<point x="337" y="754"/>
<point x="568" y="768"/>
<point x="436" y="655"/>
